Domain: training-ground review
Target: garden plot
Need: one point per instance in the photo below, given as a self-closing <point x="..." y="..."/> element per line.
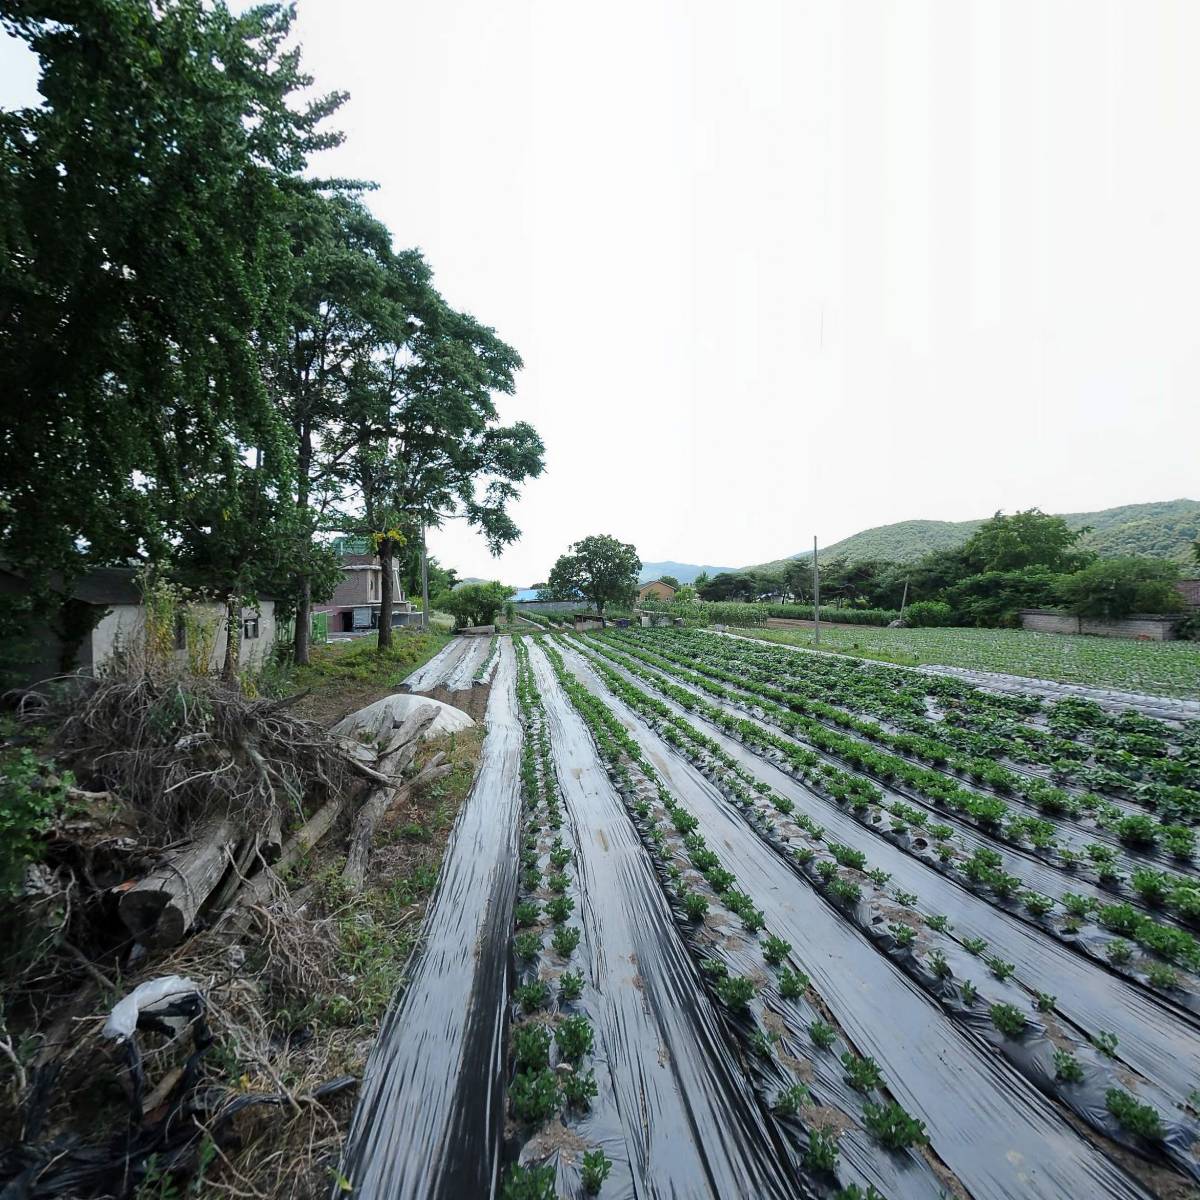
<point x="1001" y="1138"/>
<point x="440" y="667"/>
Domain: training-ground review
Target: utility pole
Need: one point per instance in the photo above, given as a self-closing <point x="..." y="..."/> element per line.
<point x="424" y="582"/>
<point x="816" y="597"/>
<point x="904" y="600"/>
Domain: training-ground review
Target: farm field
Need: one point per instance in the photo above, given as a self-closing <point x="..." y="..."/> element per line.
<point x="725" y="920"/>
<point x="1155" y="668"/>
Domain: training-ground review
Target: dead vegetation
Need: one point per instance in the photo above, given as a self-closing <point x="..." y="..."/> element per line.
<point x="191" y="790"/>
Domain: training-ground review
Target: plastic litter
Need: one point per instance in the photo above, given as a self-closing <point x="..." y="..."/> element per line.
<point x="146" y="997"/>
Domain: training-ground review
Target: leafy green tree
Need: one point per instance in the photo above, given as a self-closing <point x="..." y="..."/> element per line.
<point x="599" y="569"/>
<point x="1111" y="588"/>
<point x="1030" y="538"/>
<point x="730" y="585"/>
<point x="797" y="580"/>
<point x="144" y="209"/>
<point x="474" y="603"/>
<point x="670" y="580"/>
<point x="993" y="597"/>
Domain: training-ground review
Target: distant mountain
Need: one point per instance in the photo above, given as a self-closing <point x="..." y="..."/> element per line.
<point x="1163" y="529"/>
<point x="684" y="572"/>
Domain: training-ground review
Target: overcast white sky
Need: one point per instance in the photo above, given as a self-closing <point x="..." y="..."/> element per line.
<point x="784" y="268"/>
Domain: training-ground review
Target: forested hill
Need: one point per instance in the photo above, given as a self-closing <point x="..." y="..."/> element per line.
<point x="1163" y="529"/>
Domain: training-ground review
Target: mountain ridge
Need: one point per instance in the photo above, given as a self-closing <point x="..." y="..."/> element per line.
<point x="1158" y="529"/>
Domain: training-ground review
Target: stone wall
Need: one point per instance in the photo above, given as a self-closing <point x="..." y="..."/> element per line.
<point x="1146" y="627"/>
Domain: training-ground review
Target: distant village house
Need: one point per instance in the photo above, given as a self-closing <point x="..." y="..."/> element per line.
<point x="354" y="607"/>
<point x="656" y="589"/>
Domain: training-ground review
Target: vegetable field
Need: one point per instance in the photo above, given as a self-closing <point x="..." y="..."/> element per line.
<point x="1156" y="668"/>
<point x="721" y="919"/>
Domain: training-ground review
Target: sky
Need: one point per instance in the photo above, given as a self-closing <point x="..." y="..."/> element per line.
<point x="780" y="269"/>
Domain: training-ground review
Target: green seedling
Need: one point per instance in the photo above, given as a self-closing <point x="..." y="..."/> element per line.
<point x="753" y="920"/>
<point x="529" y="1183"/>
<point x="570" y="985"/>
<point x="762" y="1043"/>
<point x="565" y="939"/>
<point x="938" y="965"/>
<point x="578" y="1089"/>
<point x="862" y="1074"/>
<point x="531" y="1047"/>
<point x="559" y="857"/>
<point x="596" y="1166"/>
<point x="905" y="935"/>
<point x="823" y="1035"/>
<point x="574" y="1037"/>
<point x="879" y="876"/>
<point x="1001" y="969"/>
<point x="1008" y="1019"/>
<point x="822" y="1152"/>
<point x="531" y="879"/>
<point x="792" y="1099"/>
<point x="1106" y="1043"/>
<point x="1067" y="1068"/>
<point x="532" y="996"/>
<point x="969" y="992"/>
<point x="560" y="908"/>
<point x="974" y="945"/>
<point x="736" y="992"/>
<point x="1119" y="951"/>
<point x="906" y="899"/>
<point x="940" y="923"/>
<point x="1045" y="1002"/>
<point x="695" y="905"/>
<point x="792" y="984"/>
<point x="526" y="913"/>
<point x="527" y="944"/>
<point x="1136" y="1118"/>
<point x="775" y="950"/>
<point x="714" y="968"/>
<point x="1162" y="976"/>
<point x="558" y="882"/>
<point x="892" y="1126"/>
<point x="534" y="1096"/>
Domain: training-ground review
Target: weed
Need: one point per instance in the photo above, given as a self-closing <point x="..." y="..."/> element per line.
<point x="527" y="944"/>
<point x="1008" y="1019"/>
<point x="823" y="1035"/>
<point x="1136" y="1118"/>
<point x="531" y="1047"/>
<point x="533" y="995"/>
<point x="775" y="950"/>
<point x="862" y="1074"/>
<point x="573" y="1037"/>
<point x="534" y="1096"/>
<point x="596" y="1166"/>
<point x="792" y="1099"/>
<point x="579" y="1089"/>
<point x="892" y="1126"/>
<point x="570" y="985"/>
<point x="1067" y="1067"/>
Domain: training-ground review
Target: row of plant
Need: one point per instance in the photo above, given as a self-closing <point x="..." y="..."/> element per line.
<point x="811" y="680"/>
<point x="550" y="1035"/>
<point x="896" y="768"/>
<point x="1089" y="928"/>
<point x="485" y="667"/>
<point x="724" y="930"/>
<point x="1070" y="1068"/>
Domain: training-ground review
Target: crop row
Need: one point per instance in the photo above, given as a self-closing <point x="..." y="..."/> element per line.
<point x="925" y="949"/>
<point x="987" y="813"/>
<point x="689" y="873"/>
<point x="1090" y="929"/>
<point x="548" y="1052"/>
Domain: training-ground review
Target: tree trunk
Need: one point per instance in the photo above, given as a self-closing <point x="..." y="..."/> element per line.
<point x="385" y="594"/>
<point x="233" y="638"/>
<point x="301" y="637"/>
<point x="161" y="908"/>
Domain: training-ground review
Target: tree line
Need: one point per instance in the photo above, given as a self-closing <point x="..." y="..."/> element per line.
<point x="213" y="355"/>
<point x="1024" y="560"/>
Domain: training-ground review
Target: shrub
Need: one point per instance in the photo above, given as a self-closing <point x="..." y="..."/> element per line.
<point x="892" y="1126"/>
<point x="30" y="795"/>
<point x="928" y="614"/>
<point x="1115" y="587"/>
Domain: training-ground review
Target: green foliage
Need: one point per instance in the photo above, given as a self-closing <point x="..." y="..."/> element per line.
<point x="531" y="1047"/>
<point x="473" y="603"/>
<point x="31" y="794"/>
<point x="529" y="1183"/>
<point x="892" y="1126"/>
<point x="792" y="1099"/>
<point x="570" y="985"/>
<point x="579" y="1089"/>
<point x="1067" y="1067"/>
<point x="862" y="1074"/>
<point x="533" y="995"/>
<point x="599" y="569"/>
<point x="775" y="950"/>
<point x="1115" y="587"/>
<point x="1029" y="538"/>
<point x="1008" y="1019"/>
<point x="736" y="991"/>
<point x="792" y="984"/>
<point x="822" y="1152"/>
<point x="596" y="1166"/>
<point x="823" y="1035"/>
<point x="527" y="944"/>
<point x="565" y="939"/>
<point x="922" y="614"/>
<point x="1139" y="1119"/>
<point x="695" y="905"/>
<point x="573" y="1036"/>
<point x="534" y="1096"/>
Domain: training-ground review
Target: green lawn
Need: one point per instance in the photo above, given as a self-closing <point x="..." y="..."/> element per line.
<point x="1157" y="668"/>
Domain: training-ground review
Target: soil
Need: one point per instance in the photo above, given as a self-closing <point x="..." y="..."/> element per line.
<point x="472" y="700"/>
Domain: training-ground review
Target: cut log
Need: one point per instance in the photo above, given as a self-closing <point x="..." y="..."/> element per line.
<point x="368" y="816"/>
<point x="161" y="908"/>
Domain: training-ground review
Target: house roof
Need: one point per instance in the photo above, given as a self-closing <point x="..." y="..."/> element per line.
<point x="108" y="585"/>
<point x="649" y="582"/>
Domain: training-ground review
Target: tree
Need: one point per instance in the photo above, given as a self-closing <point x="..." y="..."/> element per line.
<point x="475" y="603"/>
<point x="1026" y="539"/>
<point x="994" y="597"/>
<point x="670" y="580"/>
<point x="731" y="585"/>
<point x="144" y="209"/>
<point x="599" y="569"/>
<point x="1111" y="588"/>
<point x="702" y="579"/>
<point x="797" y="579"/>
